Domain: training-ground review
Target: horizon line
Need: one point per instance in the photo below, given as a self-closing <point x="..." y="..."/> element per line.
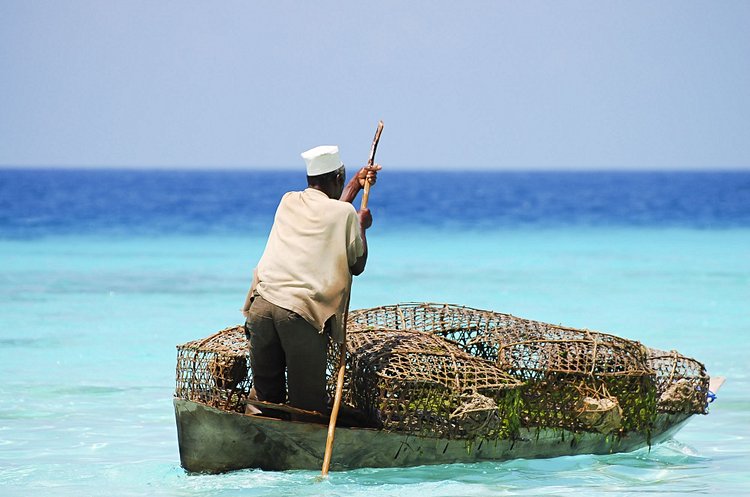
<point x="409" y="169"/>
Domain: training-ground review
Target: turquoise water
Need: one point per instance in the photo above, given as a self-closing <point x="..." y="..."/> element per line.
<point x="89" y="324"/>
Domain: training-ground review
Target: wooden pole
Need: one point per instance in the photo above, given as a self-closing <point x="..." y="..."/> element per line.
<point x="370" y="162"/>
<point x="342" y="356"/>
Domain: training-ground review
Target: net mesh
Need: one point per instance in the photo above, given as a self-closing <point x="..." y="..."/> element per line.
<point x="455" y="372"/>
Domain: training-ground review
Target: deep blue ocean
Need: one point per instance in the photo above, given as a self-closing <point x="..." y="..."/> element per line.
<point x="39" y="203"/>
<point x="103" y="272"/>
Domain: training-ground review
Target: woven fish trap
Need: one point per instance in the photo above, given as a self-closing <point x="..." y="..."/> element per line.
<point x="462" y="325"/>
<point x="560" y="366"/>
<point x="215" y="370"/>
<point x="456" y="372"/>
<point x="681" y="382"/>
<point x="415" y="382"/>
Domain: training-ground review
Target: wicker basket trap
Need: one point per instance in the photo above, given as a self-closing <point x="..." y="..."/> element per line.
<point x="415" y="382"/>
<point x="579" y="380"/>
<point x="454" y="372"/>
<point x="215" y="370"/>
<point x="681" y="382"/>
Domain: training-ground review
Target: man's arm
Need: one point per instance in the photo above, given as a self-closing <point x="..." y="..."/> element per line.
<point x="369" y="173"/>
<point x="365" y="221"/>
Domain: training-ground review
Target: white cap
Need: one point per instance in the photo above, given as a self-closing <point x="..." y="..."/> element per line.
<point x="321" y="160"/>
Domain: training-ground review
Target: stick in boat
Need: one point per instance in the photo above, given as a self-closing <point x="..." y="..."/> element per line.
<point x="342" y="356"/>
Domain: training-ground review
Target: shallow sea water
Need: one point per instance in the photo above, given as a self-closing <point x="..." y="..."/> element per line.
<point x="89" y="324"/>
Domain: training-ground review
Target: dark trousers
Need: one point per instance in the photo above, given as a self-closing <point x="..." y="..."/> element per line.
<point x="281" y="340"/>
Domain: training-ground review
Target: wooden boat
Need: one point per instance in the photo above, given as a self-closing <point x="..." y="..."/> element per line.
<point x="212" y="440"/>
<point x="219" y="430"/>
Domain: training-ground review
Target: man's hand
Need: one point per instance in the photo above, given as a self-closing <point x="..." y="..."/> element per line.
<point x="365" y="218"/>
<point x="357" y="183"/>
<point x="369" y="173"/>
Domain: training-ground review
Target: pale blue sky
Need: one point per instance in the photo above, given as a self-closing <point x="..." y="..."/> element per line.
<point x="491" y="84"/>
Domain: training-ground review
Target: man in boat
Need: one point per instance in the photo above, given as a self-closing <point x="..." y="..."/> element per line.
<point x="300" y="289"/>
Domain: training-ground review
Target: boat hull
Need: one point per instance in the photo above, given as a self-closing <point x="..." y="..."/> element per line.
<point x="216" y="441"/>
